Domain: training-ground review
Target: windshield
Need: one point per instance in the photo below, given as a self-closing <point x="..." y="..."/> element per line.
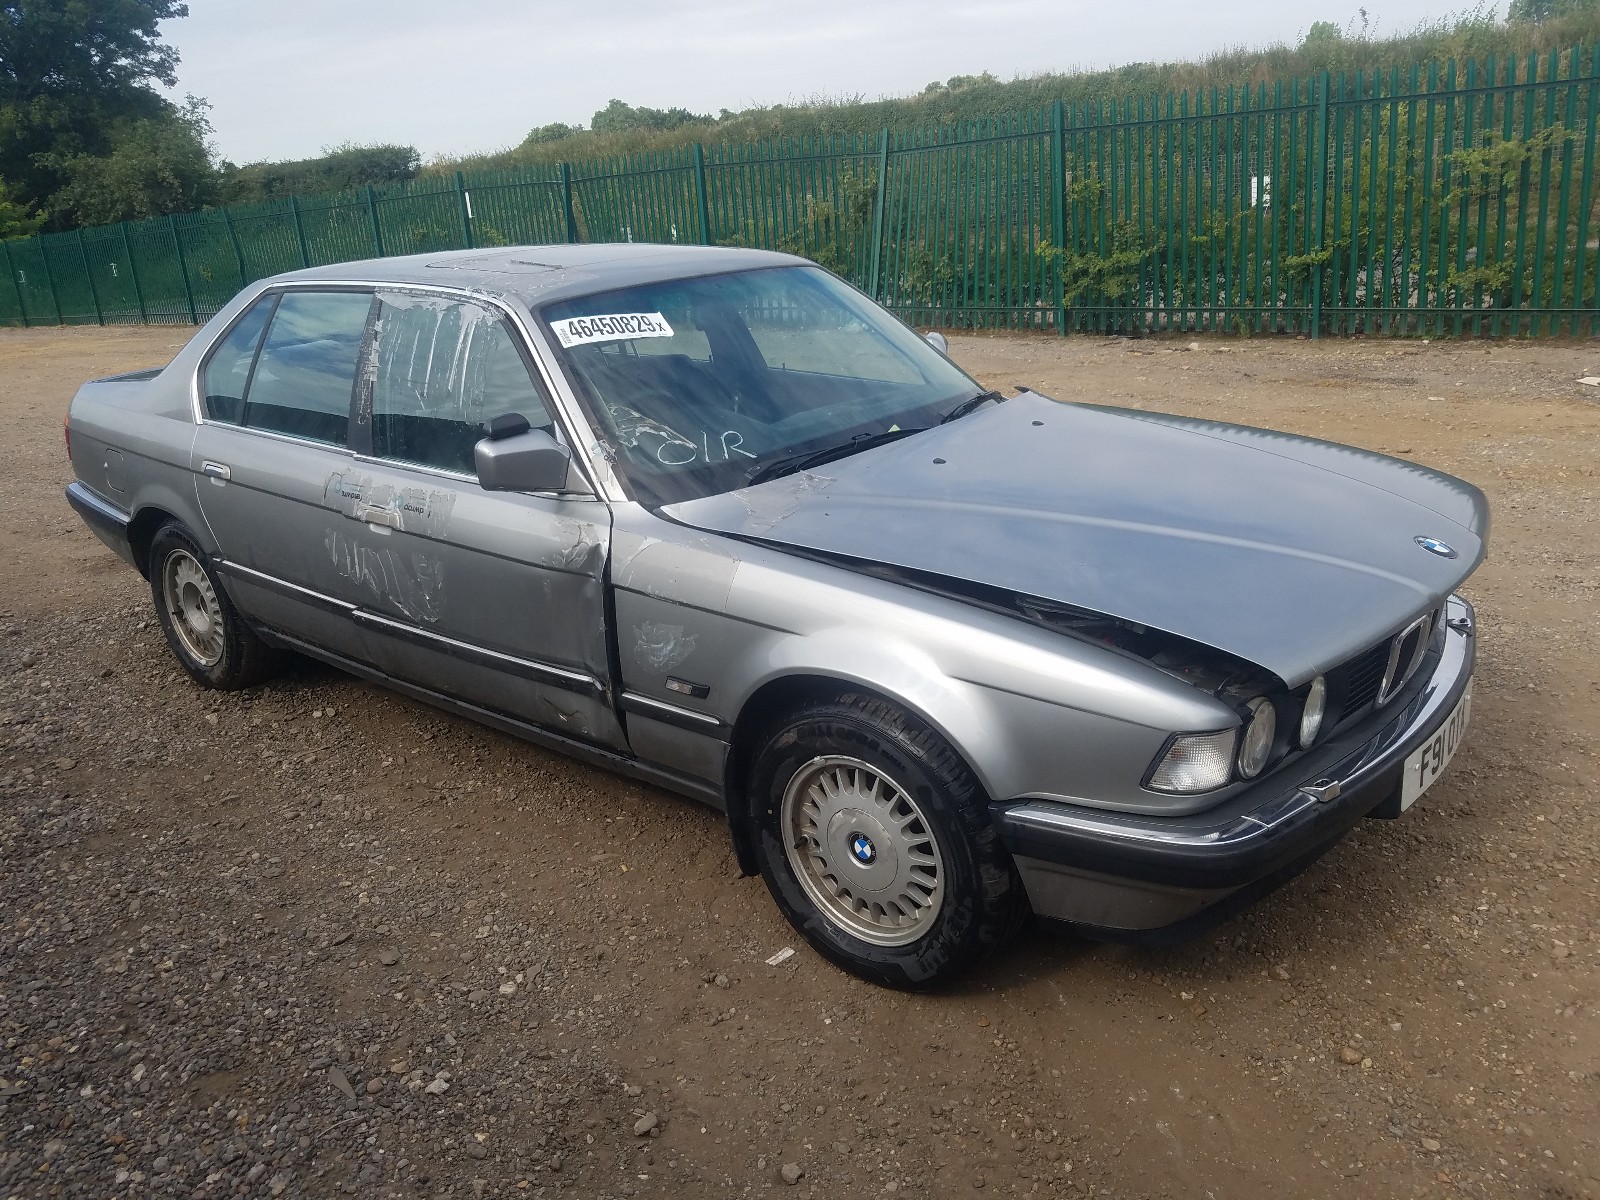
<point x="695" y="385"/>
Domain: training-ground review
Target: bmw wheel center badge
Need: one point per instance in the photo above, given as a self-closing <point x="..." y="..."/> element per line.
<point x="862" y="849"/>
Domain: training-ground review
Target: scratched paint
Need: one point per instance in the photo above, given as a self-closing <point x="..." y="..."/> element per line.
<point x="660" y="646"/>
<point x="693" y="570"/>
<point x="404" y="580"/>
<point x="766" y="509"/>
<point x="574" y="545"/>
<point x="423" y="511"/>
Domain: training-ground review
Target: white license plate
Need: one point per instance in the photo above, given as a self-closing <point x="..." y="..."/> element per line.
<point x="1428" y="761"/>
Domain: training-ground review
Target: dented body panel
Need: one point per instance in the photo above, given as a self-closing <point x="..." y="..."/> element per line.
<point x="1283" y="551"/>
<point x="923" y="570"/>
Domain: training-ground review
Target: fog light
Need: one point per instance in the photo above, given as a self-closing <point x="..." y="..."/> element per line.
<point x="1316" y="707"/>
<point x="1195" y="762"/>
<point x="1259" y="734"/>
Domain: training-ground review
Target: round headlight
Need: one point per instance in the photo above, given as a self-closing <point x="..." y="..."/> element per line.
<point x="1259" y="734"/>
<point x="1316" y="707"/>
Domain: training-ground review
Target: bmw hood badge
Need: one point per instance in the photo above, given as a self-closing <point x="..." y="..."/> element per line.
<point x="1434" y="546"/>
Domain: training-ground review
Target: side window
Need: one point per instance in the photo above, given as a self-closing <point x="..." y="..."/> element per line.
<point x="443" y="368"/>
<point x="306" y="370"/>
<point x="227" y="371"/>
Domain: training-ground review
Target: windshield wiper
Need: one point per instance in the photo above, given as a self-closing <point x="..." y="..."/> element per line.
<point x="968" y="405"/>
<point x="811" y="458"/>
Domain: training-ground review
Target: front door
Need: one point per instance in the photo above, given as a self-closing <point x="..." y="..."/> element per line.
<point x="496" y="598"/>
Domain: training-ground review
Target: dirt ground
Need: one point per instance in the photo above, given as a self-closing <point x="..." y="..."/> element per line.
<point x="318" y="939"/>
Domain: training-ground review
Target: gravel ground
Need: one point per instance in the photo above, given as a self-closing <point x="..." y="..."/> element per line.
<point x="319" y="940"/>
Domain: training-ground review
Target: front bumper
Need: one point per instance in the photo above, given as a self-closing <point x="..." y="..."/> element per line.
<point x="1121" y="873"/>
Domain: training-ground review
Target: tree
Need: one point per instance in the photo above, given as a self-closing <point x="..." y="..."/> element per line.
<point x="1321" y="36"/>
<point x="75" y="77"/>
<point x="16" y="220"/>
<point x="155" y="166"/>
<point x="618" y="117"/>
<point x="554" y="132"/>
<point x="1532" y="12"/>
<point x="339" y="169"/>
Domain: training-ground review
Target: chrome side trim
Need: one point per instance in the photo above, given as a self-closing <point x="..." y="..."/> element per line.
<point x="672" y="714"/>
<point x="539" y="735"/>
<point x="572" y="681"/>
<point x="539" y="672"/>
<point x="330" y="447"/>
<point x="283" y="587"/>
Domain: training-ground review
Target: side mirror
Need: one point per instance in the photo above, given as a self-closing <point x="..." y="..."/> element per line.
<point x="530" y="461"/>
<point x="938" y="341"/>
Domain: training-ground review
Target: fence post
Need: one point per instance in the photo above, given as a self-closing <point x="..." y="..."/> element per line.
<point x="1319" y="188"/>
<point x="133" y="274"/>
<point x="183" y="267"/>
<point x="94" y="292"/>
<point x="466" y="208"/>
<point x="238" y="254"/>
<point x="300" y="231"/>
<point x="377" y="228"/>
<point x="877" y="217"/>
<point x="704" y="201"/>
<point x="50" y="278"/>
<point x="566" y="197"/>
<point x="11" y="269"/>
<point x="1058" y="207"/>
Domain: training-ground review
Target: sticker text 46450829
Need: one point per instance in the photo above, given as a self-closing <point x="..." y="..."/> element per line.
<point x="612" y="327"/>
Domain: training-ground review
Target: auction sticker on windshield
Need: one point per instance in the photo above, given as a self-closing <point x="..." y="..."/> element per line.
<point x="614" y="327"/>
<point x="1428" y="761"/>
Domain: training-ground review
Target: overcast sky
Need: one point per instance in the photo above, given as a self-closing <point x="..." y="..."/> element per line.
<point x="290" y="77"/>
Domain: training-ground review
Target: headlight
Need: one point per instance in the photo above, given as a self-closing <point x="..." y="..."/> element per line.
<point x="1195" y="762"/>
<point x="1259" y="733"/>
<point x="1316" y="707"/>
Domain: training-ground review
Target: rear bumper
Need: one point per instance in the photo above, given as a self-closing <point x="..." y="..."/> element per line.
<point x="109" y="523"/>
<point x="1124" y="873"/>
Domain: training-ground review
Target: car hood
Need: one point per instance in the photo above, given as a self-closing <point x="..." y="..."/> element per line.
<point x="1291" y="553"/>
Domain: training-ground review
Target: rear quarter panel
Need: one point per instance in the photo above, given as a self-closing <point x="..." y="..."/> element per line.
<point x="133" y="437"/>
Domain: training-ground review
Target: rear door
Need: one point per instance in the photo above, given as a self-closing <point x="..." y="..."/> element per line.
<point x="497" y="598"/>
<point x="276" y="396"/>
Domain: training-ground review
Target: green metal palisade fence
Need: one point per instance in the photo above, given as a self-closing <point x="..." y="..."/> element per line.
<point x="1450" y="199"/>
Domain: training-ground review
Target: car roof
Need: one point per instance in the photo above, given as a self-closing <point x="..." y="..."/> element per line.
<point x="540" y="275"/>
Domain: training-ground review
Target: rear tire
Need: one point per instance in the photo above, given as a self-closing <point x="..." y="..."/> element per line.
<point x="204" y="631"/>
<point x="875" y="841"/>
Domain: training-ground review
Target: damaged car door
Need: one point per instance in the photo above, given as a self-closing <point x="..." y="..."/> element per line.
<point x="492" y="597"/>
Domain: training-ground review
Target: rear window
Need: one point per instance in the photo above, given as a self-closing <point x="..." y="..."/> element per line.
<point x="227" y="371"/>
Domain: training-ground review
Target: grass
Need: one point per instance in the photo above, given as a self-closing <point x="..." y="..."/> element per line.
<point x="966" y="98"/>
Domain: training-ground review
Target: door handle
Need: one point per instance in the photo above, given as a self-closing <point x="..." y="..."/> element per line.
<point x="216" y="470"/>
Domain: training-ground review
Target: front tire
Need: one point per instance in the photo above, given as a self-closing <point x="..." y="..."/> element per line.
<point x="875" y="841"/>
<point x="204" y="631"/>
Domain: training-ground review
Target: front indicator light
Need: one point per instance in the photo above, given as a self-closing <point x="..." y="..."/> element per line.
<point x="1316" y="707"/>
<point x="1259" y="733"/>
<point x="1195" y="762"/>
